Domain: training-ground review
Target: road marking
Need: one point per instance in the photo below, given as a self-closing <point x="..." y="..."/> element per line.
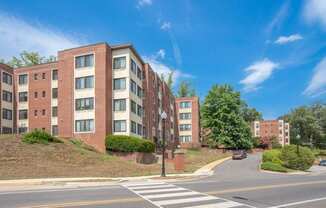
<point x="220" y="205"/>
<point x="154" y="196"/>
<point x="176" y="196"/>
<point x="300" y="202"/>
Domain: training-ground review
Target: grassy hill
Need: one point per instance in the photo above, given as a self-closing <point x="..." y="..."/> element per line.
<point x="67" y="159"/>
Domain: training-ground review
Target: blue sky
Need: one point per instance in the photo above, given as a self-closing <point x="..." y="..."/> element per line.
<point x="273" y="51"/>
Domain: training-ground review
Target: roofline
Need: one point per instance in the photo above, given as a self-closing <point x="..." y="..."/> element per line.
<point x="83" y="46"/>
<point x="36" y="65"/>
<point x="128" y="45"/>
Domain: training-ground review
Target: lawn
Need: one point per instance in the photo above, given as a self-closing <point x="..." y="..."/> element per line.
<point x="20" y="160"/>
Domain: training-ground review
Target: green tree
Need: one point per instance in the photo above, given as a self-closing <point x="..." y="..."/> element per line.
<point x="26" y="58"/>
<point x="249" y="114"/>
<point x="169" y="80"/>
<point x="221" y="114"/>
<point x="186" y="90"/>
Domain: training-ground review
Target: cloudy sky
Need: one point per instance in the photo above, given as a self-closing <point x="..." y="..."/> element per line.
<point x="273" y="51"/>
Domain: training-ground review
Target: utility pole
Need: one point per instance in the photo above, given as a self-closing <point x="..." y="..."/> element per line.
<point x="163" y="117"/>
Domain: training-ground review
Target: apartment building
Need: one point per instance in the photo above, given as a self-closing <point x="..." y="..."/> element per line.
<point x="90" y="92"/>
<point x="188" y="121"/>
<point x="7" y="121"/>
<point x="269" y="129"/>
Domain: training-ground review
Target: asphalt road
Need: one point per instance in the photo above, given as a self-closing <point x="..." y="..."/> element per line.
<point x="234" y="184"/>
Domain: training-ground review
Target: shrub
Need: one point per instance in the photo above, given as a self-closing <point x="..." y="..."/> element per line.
<point x="121" y="143"/>
<point x="297" y="161"/>
<point x="272" y="156"/>
<point x="275" y="143"/>
<point x="39" y="136"/>
<point x="322" y="153"/>
<point x="273" y="167"/>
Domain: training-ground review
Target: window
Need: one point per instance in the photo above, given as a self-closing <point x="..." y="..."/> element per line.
<point x="85" y="103"/>
<point x="54" y="93"/>
<point x="139" y="73"/>
<point x="84" y="61"/>
<point x="35" y="94"/>
<point x="7" y="78"/>
<point x="43" y="112"/>
<point x="84" y="125"/>
<point x="85" y="82"/>
<point x="184" y="139"/>
<point x="6" y="130"/>
<point x="119" y="104"/>
<point x="35" y="112"/>
<point x="133" y="127"/>
<point x="54" y="74"/>
<point x="139" y="129"/>
<point x="133" y="106"/>
<point x="133" y="86"/>
<point x="185" y="116"/>
<point x="35" y="76"/>
<point x="139" y="92"/>
<point x="119" y="63"/>
<point x="119" y="84"/>
<point x="133" y="66"/>
<point x="22" y="130"/>
<point x="6" y="96"/>
<point x="43" y="75"/>
<point x="55" y="130"/>
<point x="185" y="127"/>
<point x="22" y="79"/>
<point x="22" y="114"/>
<point x="6" y="114"/>
<point x="185" y="104"/>
<point x="43" y="94"/>
<point x="120" y="126"/>
<point x="54" y="111"/>
<point x="22" y="96"/>
<point x="139" y="111"/>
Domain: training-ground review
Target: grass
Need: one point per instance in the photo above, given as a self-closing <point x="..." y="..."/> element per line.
<point x="273" y="167"/>
<point x="75" y="159"/>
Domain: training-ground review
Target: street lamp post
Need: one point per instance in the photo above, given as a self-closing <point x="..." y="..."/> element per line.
<point x="163" y="117"/>
<point x="298" y="139"/>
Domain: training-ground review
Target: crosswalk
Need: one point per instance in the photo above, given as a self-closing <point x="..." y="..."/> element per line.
<point x="165" y="195"/>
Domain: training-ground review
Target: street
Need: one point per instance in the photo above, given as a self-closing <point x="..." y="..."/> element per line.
<point x="234" y="184"/>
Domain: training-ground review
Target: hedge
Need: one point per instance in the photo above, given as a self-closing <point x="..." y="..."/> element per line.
<point x="121" y="143"/>
<point x="297" y="161"/>
<point x="39" y="136"/>
<point x="273" y="167"/>
<point x="272" y="156"/>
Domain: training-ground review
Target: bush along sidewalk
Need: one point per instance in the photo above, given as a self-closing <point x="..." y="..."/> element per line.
<point x="288" y="159"/>
<point x="120" y="143"/>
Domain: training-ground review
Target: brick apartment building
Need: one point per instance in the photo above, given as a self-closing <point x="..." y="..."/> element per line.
<point x="189" y="121"/>
<point x="88" y="93"/>
<point x="269" y="129"/>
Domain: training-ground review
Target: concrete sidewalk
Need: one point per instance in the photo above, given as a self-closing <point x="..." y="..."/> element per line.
<point x="206" y="170"/>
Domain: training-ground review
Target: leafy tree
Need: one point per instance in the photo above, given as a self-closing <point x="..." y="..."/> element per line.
<point x="304" y="123"/>
<point x="169" y="81"/>
<point x="28" y="59"/>
<point x="186" y="90"/>
<point x="221" y="114"/>
<point x="250" y="114"/>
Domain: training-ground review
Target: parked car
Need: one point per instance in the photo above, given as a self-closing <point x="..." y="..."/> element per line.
<point x="239" y="154"/>
<point x="322" y="163"/>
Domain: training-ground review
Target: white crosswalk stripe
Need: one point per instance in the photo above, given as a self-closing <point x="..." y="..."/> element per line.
<point x="165" y="195"/>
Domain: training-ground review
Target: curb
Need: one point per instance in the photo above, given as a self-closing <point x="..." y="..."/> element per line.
<point x="206" y="170"/>
<point x="281" y="173"/>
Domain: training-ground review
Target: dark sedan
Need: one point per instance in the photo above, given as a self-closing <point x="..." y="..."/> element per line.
<point x="239" y="154"/>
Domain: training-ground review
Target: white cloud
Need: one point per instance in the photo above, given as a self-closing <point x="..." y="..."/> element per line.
<point x="257" y="73"/>
<point x="162" y="68"/>
<point x="166" y="26"/>
<point x="160" y="53"/>
<point x="315" y="12"/>
<point x="279" y="17"/>
<point x="17" y="35"/>
<point x="144" y="3"/>
<point x="287" y="39"/>
<point x="317" y="85"/>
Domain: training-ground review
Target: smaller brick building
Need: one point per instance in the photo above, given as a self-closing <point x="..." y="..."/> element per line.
<point x="188" y="121"/>
<point x="269" y="129"/>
